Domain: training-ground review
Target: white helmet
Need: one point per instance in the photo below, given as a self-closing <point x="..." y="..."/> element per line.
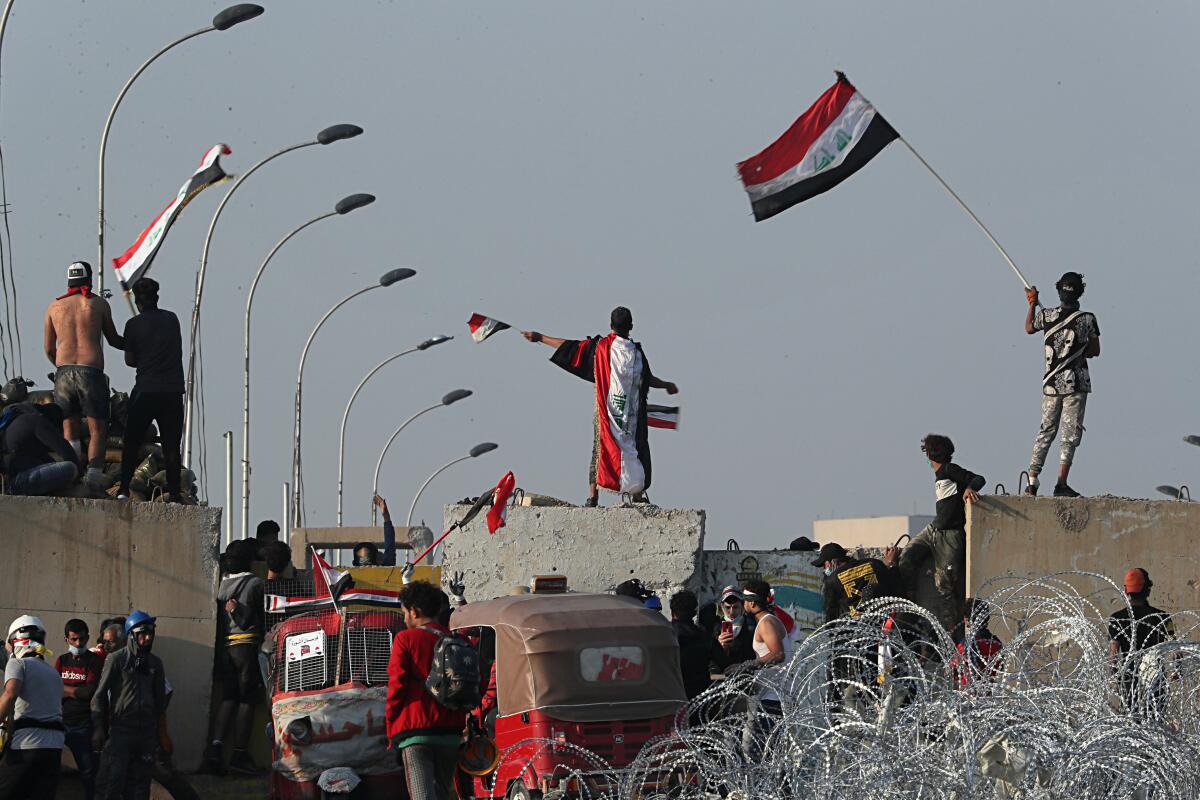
<point x="26" y="621"/>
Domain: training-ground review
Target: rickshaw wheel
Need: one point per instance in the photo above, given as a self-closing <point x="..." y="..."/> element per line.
<point x="519" y="791"/>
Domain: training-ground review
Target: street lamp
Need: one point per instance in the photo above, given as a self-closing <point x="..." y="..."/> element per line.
<point x="425" y="345"/>
<point x="447" y="399"/>
<point x="344" y="206"/>
<point x="334" y="133"/>
<point x="475" y="452"/>
<point x="225" y="20"/>
<point x="387" y="279"/>
<point x="1182" y="493"/>
<point x="1192" y="440"/>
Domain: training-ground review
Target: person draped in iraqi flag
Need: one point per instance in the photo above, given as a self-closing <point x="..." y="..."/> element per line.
<point x="621" y="372"/>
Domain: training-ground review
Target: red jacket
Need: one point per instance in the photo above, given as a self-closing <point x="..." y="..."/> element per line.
<point x="410" y="708"/>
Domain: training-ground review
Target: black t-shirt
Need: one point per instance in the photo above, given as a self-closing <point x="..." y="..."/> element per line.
<point x="1149" y="626"/>
<point x="154" y="345"/>
<point x="31" y="439"/>
<point x="855" y="581"/>
<point x="81" y="670"/>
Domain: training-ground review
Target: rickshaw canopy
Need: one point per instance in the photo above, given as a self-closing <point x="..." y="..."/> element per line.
<point x="580" y="657"/>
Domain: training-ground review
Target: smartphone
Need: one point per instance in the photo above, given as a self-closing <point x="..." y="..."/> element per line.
<point x="726" y="626"/>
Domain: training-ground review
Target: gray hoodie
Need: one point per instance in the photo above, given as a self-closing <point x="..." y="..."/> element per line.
<point x="132" y="692"/>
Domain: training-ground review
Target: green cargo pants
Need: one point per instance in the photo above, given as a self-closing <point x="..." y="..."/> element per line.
<point x="948" y="550"/>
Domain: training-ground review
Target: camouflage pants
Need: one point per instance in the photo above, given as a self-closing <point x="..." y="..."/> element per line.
<point x="1069" y="409"/>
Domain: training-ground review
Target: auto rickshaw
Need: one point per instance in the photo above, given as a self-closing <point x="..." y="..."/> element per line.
<point x="594" y="671"/>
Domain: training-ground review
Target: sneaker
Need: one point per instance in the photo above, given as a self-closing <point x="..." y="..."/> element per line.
<point x="1032" y="488"/>
<point x="211" y="765"/>
<point x="1062" y="490"/>
<point x="240" y="761"/>
<point x="592" y="502"/>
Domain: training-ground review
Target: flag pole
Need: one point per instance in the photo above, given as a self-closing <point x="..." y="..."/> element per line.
<point x="129" y="299"/>
<point x="952" y="193"/>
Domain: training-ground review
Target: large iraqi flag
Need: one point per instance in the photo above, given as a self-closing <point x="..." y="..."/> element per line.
<point x="136" y="261"/>
<point x="831" y="141"/>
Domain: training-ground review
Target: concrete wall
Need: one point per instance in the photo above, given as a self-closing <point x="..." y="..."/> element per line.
<point x="596" y="548"/>
<point x="92" y="559"/>
<point x="797" y="583"/>
<point x="1031" y="536"/>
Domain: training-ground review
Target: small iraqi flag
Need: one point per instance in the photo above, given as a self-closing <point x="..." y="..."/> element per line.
<point x="500" y="495"/>
<point x="831" y="141"/>
<point x="482" y="327"/>
<point x="662" y="416"/>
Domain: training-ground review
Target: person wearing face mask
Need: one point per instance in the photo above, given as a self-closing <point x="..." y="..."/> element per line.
<point x="80" y="670"/>
<point x="849" y="581"/>
<point x="1072" y="336"/>
<point x="735" y="629"/>
<point x="131" y="696"/>
<point x="241" y="621"/>
<point x="32" y="696"/>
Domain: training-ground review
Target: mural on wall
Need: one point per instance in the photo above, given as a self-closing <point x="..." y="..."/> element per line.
<point x="796" y="582"/>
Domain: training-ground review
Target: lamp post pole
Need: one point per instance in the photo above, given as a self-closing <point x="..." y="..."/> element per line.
<point x="334" y="133"/>
<point x="425" y="345"/>
<point x="388" y="278"/>
<point x="447" y="399"/>
<point x="344" y="206"/>
<point x="475" y="452"/>
<point x="223" y="21"/>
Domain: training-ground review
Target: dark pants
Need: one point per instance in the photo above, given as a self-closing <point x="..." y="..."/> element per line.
<point x="429" y="771"/>
<point x="79" y="741"/>
<point x="127" y="765"/>
<point x="31" y="774"/>
<point x="166" y="409"/>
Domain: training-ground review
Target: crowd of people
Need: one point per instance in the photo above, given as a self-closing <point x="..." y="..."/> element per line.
<point x="48" y="447"/>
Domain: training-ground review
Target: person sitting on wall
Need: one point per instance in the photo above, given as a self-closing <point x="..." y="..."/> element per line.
<point x="39" y="460"/>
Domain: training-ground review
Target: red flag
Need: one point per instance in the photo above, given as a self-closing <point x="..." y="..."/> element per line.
<point x="500" y="496"/>
<point x="482" y="327"/>
<point x="327" y="581"/>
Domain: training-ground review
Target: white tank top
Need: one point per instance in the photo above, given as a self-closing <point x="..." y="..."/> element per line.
<point x="761" y="649"/>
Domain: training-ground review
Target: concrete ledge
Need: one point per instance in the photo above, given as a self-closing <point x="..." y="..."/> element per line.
<point x="596" y="548"/>
<point x="1038" y="536"/>
<point x="92" y="559"/>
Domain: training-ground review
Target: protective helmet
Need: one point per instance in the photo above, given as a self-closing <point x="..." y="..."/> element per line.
<point x="27" y="621"/>
<point x="137" y="619"/>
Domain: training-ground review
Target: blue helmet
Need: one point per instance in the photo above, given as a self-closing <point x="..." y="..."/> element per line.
<point x="137" y="619"/>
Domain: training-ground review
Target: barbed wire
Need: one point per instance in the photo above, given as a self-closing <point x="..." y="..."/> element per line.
<point x="885" y="704"/>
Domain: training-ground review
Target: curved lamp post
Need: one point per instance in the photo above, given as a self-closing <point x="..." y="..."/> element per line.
<point x="344" y="206"/>
<point x="447" y="399"/>
<point x="1180" y="493"/>
<point x="1192" y="439"/>
<point x="223" y="21"/>
<point x="474" y="452"/>
<point x="387" y="279"/>
<point x="425" y="345"/>
<point x="334" y="133"/>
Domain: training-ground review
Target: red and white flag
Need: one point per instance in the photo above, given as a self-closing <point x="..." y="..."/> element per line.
<point x="327" y="581"/>
<point x="666" y="417"/>
<point x="500" y="496"/>
<point x="831" y="141"/>
<point x="482" y="327"/>
<point x="135" y="262"/>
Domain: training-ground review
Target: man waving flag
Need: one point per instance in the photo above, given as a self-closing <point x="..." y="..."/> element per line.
<point x="831" y="141"/>
<point x="134" y="262"/>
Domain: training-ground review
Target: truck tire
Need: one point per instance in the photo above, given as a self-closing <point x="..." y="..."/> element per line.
<point x="518" y="791"/>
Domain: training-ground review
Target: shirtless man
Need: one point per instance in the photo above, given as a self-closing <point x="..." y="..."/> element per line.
<point x="74" y="323"/>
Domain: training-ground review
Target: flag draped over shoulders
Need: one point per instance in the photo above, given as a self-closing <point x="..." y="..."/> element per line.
<point x="619" y="368"/>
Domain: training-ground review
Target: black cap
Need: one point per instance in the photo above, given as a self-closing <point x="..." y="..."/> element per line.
<point x="79" y="273"/>
<point x="828" y="553"/>
<point x="803" y="543"/>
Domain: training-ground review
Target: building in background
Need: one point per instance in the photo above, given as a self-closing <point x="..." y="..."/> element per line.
<point x="852" y="532"/>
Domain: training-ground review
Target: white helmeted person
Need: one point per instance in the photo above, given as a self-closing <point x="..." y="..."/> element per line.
<point x="32" y="695"/>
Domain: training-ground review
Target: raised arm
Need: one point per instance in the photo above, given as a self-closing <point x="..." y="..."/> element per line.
<point x="1031" y="295"/>
<point x="656" y="382"/>
<point x="389" y="534"/>
<point x="535" y="337"/>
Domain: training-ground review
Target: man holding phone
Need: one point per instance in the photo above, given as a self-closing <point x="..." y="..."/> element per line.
<point x="735" y="632"/>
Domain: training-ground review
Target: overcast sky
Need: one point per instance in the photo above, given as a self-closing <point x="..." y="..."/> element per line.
<point x="543" y="162"/>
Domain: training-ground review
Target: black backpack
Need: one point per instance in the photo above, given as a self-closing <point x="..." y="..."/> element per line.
<point x="454" y="676"/>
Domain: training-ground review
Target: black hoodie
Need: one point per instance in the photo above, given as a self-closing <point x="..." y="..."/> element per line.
<point x="697" y="649"/>
<point x="132" y="692"/>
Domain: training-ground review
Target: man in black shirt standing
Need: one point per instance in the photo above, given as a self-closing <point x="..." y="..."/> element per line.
<point x="945" y="538"/>
<point x="1138" y="627"/>
<point x="32" y="441"/>
<point x="153" y="346"/>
